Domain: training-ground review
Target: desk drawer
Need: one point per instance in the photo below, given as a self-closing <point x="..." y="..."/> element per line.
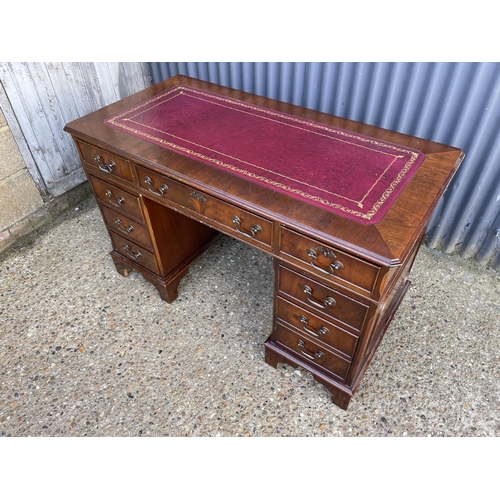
<point x="315" y="327"/>
<point x="134" y="253"/>
<point x="328" y="261"/>
<point x="322" y="299"/>
<point x="312" y="352"/>
<point x="116" y="198"/>
<point x="109" y="163"/>
<point x="129" y="228"/>
<point x="238" y="221"/>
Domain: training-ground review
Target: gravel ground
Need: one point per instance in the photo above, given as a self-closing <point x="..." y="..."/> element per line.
<point x="87" y="352"/>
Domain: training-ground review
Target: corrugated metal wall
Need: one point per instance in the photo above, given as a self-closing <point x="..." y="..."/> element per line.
<point x="453" y="103"/>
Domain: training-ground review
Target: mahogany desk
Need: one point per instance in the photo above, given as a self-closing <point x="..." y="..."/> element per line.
<point x="338" y="277"/>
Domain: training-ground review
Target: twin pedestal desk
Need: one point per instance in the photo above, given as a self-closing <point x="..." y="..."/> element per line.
<point x="341" y="206"/>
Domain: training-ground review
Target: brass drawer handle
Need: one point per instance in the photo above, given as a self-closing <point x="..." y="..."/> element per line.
<point x="322" y="330"/>
<point x="312" y="357"/>
<point x="126" y="230"/>
<point x="253" y="230"/>
<point x="131" y="253"/>
<point x="197" y="196"/>
<point x="161" y="190"/>
<point x="105" y="167"/>
<point x="334" y="266"/>
<point x="119" y="201"/>
<point x="328" y="302"/>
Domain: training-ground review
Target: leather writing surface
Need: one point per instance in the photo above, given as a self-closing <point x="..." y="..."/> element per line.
<point x="349" y="174"/>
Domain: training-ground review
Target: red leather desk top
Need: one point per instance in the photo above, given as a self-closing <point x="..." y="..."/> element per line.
<point x="353" y="175"/>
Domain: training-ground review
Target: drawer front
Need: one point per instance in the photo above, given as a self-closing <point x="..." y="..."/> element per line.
<point x="328" y="261"/>
<point x="116" y="198"/>
<point x="129" y="228"/>
<point x="322" y="299"/>
<point x="313" y="326"/>
<point x="238" y="222"/>
<point x="134" y="253"/>
<point x="110" y="164"/>
<point x="310" y="351"/>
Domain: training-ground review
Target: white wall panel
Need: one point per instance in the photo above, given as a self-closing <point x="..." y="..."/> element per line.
<point x="38" y="99"/>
